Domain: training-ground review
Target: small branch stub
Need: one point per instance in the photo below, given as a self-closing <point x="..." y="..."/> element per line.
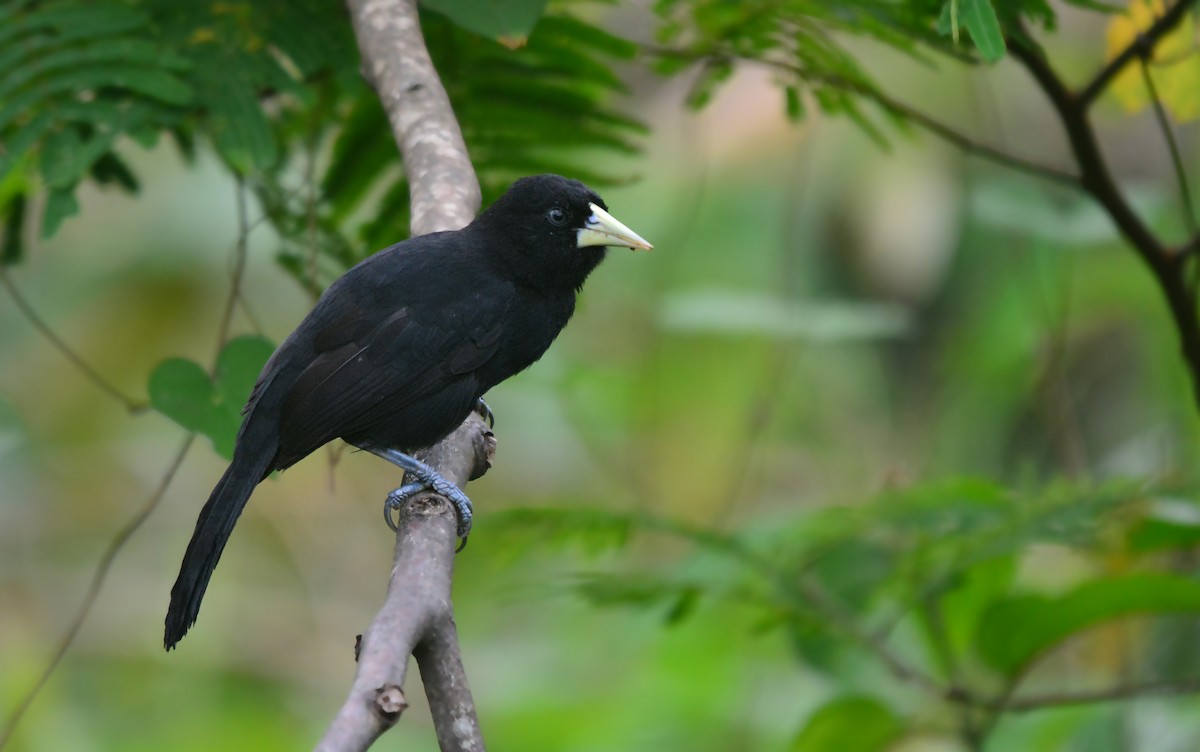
<point x="390" y="701"/>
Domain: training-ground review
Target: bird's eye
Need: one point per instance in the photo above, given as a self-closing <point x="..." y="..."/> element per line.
<point x="556" y="216"/>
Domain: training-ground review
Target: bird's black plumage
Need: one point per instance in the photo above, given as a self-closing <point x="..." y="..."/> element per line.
<point x="398" y="351"/>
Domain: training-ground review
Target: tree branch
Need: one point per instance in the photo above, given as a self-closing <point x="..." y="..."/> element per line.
<point x="1097" y="180"/>
<point x="1141" y="47"/>
<point x="91" y="374"/>
<point x="442" y="184"/>
<point x="905" y="111"/>
<point x="1164" y="124"/>
<point x="417" y="617"/>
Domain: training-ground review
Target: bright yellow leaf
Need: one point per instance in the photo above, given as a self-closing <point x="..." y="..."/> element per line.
<point x="1175" y="67"/>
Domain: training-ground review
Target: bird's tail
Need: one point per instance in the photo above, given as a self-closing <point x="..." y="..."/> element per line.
<point x="251" y="463"/>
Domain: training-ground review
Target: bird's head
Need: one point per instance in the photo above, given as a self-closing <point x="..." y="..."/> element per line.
<point x="555" y="230"/>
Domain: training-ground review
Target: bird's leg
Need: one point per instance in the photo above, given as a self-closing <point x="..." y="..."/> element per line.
<point x="485" y="412"/>
<point x="420" y="477"/>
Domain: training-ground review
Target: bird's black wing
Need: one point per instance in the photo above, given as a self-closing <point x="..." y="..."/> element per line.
<point x="419" y="359"/>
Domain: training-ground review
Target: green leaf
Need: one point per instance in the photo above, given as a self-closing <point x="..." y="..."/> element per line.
<point x="1156" y="535"/>
<point x="111" y="169"/>
<point x="1017" y="630"/>
<point x="61" y="157"/>
<point x="60" y="204"/>
<point x="181" y="390"/>
<point x="238" y="367"/>
<point x="578" y="34"/>
<point x="509" y="21"/>
<point x="980" y="19"/>
<point x="849" y="724"/>
<point x="241" y="131"/>
<point x="12" y="249"/>
<point x="794" y="103"/>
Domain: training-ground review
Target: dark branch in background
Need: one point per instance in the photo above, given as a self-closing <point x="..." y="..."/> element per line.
<point x="417" y="617"/>
<point x="98" y="578"/>
<point x="1167" y="263"/>
<point x="1142" y="47"/>
<point x="1097" y="179"/>
<point x="60" y="344"/>
<point x="1164" y="123"/>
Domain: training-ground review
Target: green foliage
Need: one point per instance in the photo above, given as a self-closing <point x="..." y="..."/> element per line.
<point x="76" y="77"/>
<point x="262" y="79"/>
<point x="943" y="558"/>
<point x="849" y="724"/>
<point x="1015" y="631"/>
<point x="980" y="19"/>
<point x="542" y="107"/>
<point x="181" y="390"/>
<point x="805" y="42"/>
<point x="508" y="21"/>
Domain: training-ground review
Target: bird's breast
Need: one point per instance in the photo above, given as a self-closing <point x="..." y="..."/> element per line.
<point x="533" y="324"/>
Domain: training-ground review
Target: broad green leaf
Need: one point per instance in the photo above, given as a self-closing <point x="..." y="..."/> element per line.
<point x="238" y="367"/>
<point x="1169" y="524"/>
<point x="852" y="723"/>
<point x="1156" y="535"/>
<point x="181" y="390"/>
<point x="1017" y="630"/>
<point x="508" y="21"/>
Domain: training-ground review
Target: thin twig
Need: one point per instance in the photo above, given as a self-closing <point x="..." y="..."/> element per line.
<point x="1142" y="46"/>
<point x="902" y="109"/>
<point x="1124" y="692"/>
<point x="239" y="269"/>
<point x="845" y="623"/>
<point x="91" y="374"/>
<point x="1164" y="123"/>
<point x="93" y="591"/>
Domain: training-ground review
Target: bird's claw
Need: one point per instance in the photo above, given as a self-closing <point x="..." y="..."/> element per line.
<point x="423" y="477"/>
<point x="485" y="412"/>
<point x="396" y="499"/>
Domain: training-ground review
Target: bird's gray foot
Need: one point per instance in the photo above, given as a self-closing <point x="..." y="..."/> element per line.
<point x="486" y="413"/>
<point x="422" y="477"/>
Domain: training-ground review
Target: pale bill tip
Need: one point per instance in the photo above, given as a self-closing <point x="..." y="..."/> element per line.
<point x="603" y="228"/>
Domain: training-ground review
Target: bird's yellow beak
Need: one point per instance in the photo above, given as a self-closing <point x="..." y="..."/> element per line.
<point x="603" y="228"/>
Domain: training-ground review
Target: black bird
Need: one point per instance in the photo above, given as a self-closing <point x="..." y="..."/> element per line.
<point x="399" y="350"/>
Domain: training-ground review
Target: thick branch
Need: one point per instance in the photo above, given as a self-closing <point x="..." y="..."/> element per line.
<point x="442" y="183"/>
<point x="417" y="617"/>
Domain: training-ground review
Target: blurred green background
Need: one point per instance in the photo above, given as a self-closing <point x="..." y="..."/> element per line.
<point x="826" y="332"/>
